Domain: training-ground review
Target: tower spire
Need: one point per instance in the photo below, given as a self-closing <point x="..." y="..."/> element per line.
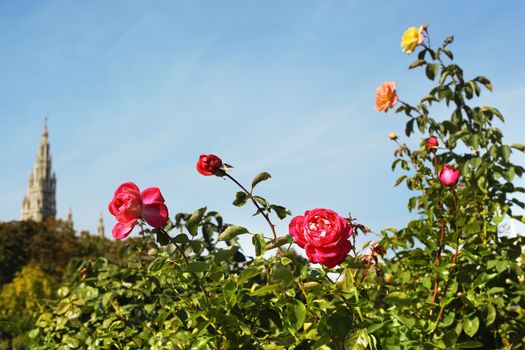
<point x="100" y="228"/>
<point x="39" y="202"/>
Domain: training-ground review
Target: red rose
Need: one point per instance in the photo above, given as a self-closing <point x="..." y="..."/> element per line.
<point x="129" y="205"/>
<point x="324" y="236"/>
<point x="449" y="176"/>
<point x="209" y="164"/>
<point x="432" y="143"/>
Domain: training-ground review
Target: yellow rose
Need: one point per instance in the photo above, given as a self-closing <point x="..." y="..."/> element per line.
<point x="412" y="38"/>
<point x="392" y="136"/>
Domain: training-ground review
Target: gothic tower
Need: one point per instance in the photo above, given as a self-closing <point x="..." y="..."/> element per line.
<point x="39" y="202"/>
<point x="100" y="228"/>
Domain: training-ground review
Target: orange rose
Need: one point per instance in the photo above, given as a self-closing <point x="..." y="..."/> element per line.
<point x="386" y="96"/>
<point x="412" y="38"/>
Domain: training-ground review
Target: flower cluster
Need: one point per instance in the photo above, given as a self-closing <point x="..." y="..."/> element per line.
<point x="323" y="234"/>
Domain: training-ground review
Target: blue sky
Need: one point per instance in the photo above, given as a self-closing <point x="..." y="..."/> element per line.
<point x="136" y="90"/>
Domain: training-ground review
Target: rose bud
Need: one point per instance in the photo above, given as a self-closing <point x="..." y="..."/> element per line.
<point x="432" y="143"/>
<point x="449" y="176"/>
<point x="209" y="164"/>
<point x="392" y="136"/>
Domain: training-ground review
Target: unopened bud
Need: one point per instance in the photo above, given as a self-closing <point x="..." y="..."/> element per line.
<point x="432" y="143"/>
<point x="392" y="136"/>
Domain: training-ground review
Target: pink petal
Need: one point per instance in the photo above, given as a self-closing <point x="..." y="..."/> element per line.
<point x="155" y="214"/>
<point x="331" y="257"/>
<point x="123" y="229"/>
<point x="152" y="194"/>
<point x="127" y="187"/>
<point x="296" y="230"/>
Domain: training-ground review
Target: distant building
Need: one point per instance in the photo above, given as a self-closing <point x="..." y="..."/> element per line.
<point x="100" y="228"/>
<point x="39" y="203"/>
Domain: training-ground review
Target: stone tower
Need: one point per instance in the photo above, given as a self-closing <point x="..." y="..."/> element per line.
<point x="39" y="203"/>
<point x="100" y="228"/>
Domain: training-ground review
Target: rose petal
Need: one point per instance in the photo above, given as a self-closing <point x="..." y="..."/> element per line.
<point x="152" y="194"/>
<point x="123" y="229"/>
<point x="329" y="258"/>
<point x="127" y="187"/>
<point x="155" y="214"/>
<point x="296" y="230"/>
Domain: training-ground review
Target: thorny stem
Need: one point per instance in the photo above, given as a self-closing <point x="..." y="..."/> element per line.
<point x="454" y="261"/>
<point x="194" y="275"/>
<point x="266" y="217"/>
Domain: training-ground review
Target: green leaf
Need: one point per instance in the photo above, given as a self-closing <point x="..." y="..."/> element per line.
<point x="491" y="314"/>
<point x="195" y="220"/>
<point x="518" y="146"/>
<point x="162" y="237"/>
<point x="398" y="298"/>
<point x="417" y="63"/>
<point x="470" y="326"/>
<point x="232" y="231"/>
<point x="240" y="199"/>
<point x="198" y="266"/>
<point x="357" y="340"/>
<point x="259" y="244"/>
<point x="281" y="212"/>
<point x="296" y="312"/>
<point x="247" y="274"/>
<point x="485" y="82"/>
<point x="471" y="344"/>
<point x="431" y="70"/>
<point x="259" y="178"/>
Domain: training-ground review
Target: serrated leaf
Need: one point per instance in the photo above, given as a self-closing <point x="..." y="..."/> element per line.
<point x="232" y="231"/>
<point x="195" y="220"/>
<point x="259" y="178"/>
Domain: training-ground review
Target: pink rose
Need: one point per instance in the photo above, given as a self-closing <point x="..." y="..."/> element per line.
<point x="323" y="234"/>
<point x="129" y="205"/>
<point x="449" y="176"/>
<point x="209" y="164"/>
<point x="432" y="143"/>
<point x="386" y="96"/>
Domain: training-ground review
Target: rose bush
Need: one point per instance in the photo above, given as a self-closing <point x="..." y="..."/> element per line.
<point x="323" y="234"/>
<point x="129" y="205"/>
<point x="448" y="279"/>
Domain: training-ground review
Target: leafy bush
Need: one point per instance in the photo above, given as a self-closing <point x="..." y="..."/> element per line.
<point x="449" y="280"/>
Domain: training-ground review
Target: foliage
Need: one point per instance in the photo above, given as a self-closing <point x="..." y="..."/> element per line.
<point x="450" y="279"/>
<point x="33" y="258"/>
